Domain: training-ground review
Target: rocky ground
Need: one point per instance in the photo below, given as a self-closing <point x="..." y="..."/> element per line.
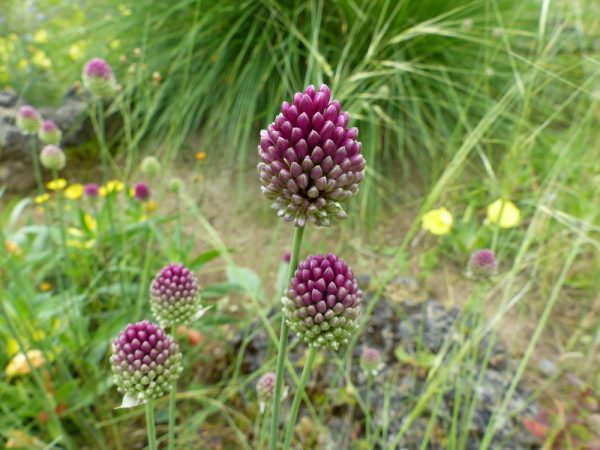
<point x="410" y="336"/>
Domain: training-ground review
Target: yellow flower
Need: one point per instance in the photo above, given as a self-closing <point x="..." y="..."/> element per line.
<point x="77" y="50"/>
<point x="438" y="221"/>
<point x="81" y="245"/>
<point x="115" y="44"/>
<point x="40" y="37"/>
<point x="19" y="366"/>
<point x="90" y="223"/>
<point x="74" y="192"/>
<point x="40" y="59"/>
<point x="12" y="247"/>
<point x="110" y="187"/>
<point x="45" y="286"/>
<point x="150" y="206"/>
<point x="22" y="64"/>
<point x="201" y="156"/>
<point x="42" y="198"/>
<point x="504" y="213"/>
<point x="56" y="185"/>
<point x="12" y="347"/>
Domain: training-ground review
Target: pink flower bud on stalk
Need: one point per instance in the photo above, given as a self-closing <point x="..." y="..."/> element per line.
<point x="311" y="159"/>
<point x="29" y="119"/>
<point x="141" y="192"/>
<point x="371" y="361"/>
<point x="175" y="296"/>
<point x="265" y="388"/>
<point x="98" y="78"/>
<point x="145" y="361"/>
<point x="49" y="133"/>
<point x="91" y="190"/>
<point x="52" y="157"/>
<point x="322" y="304"/>
<point x="482" y="264"/>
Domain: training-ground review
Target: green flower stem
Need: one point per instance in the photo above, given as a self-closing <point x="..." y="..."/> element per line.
<point x="151" y="428"/>
<point x="312" y="352"/>
<point x="264" y="420"/>
<point x="172" y="410"/>
<point x="35" y="160"/>
<point x="283" y="337"/>
<point x="369" y="419"/>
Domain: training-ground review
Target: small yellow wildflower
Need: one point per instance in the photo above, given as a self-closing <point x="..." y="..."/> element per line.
<point x="12" y="247"/>
<point x="115" y="44"/>
<point x="150" y="206"/>
<point x="89" y="222"/>
<point x="201" y="156"/>
<point x="12" y="347"/>
<point x="56" y="185"/>
<point x="77" y="50"/>
<point x="45" y="286"/>
<point x="22" y="64"/>
<point x="19" y="365"/>
<point x="42" y="198"/>
<point x="40" y="37"/>
<point x="110" y="187"/>
<point x="81" y="245"/>
<point x="438" y="221"/>
<point x="74" y="191"/>
<point x="40" y="59"/>
<point x="504" y="213"/>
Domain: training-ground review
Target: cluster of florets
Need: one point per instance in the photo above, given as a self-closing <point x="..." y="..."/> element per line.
<point x="311" y="159"/>
<point x="52" y="157"/>
<point x="323" y="301"/>
<point x="175" y="295"/>
<point x="145" y="361"/>
<point x="98" y="78"/>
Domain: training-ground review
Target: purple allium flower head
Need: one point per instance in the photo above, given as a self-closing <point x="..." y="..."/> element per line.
<point x="91" y="190"/>
<point x="482" y="264"/>
<point x="175" y="295"/>
<point x="29" y="119"/>
<point x="310" y="160"/>
<point x="323" y="301"/>
<point x="287" y="257"/>
<point x="52" y="157"/>
<point x="371" y="361"/>
<point x="98" y="78"/>
<point x="265" y="387"/>
<point x="141" y="192"/>
<point x="49" y="133"/>
<point x="145" y="361"/>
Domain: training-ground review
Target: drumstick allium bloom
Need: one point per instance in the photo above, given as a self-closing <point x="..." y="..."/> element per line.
<point x="49" y="133"/>
<point x="145" y="361"/>
<point x="98" y="78"/>
<point x="29" y="119"/>
<point x="52" y="157"/>
<point x="311" y="160"/>
<point x="323" y="301"/>
<point x="175" y="295"/>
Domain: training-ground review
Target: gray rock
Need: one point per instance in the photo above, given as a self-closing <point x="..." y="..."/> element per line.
<point x="8" y="98"/>
<point x="15" y="159"/>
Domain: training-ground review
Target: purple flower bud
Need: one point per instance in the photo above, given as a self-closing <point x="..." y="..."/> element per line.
<point x="91" y="190"/>
<point x="482" y="264"/>
<point x="98" y="78"/>
<point x="322" y="304"/>
<point x="28" y="119"/>
<point x="146" y="361"/>
<point x="310" y="159"/>
<point x="52" y="157"/>
<point x="265" y="387"/>
<point x="175" y="295"/>
<point x="49" y="133"/>
<point x="141" y="192"/>
<point x="287" y="257"/>
<point x="371" y="361"/>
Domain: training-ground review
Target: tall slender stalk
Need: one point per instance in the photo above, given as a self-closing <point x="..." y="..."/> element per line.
<point x="312" y="352"/>
<point x="35" y="160"/>
<point x="150" y="427"/>
<point x="172" y="410"/>
<point x="283" y="337"/>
